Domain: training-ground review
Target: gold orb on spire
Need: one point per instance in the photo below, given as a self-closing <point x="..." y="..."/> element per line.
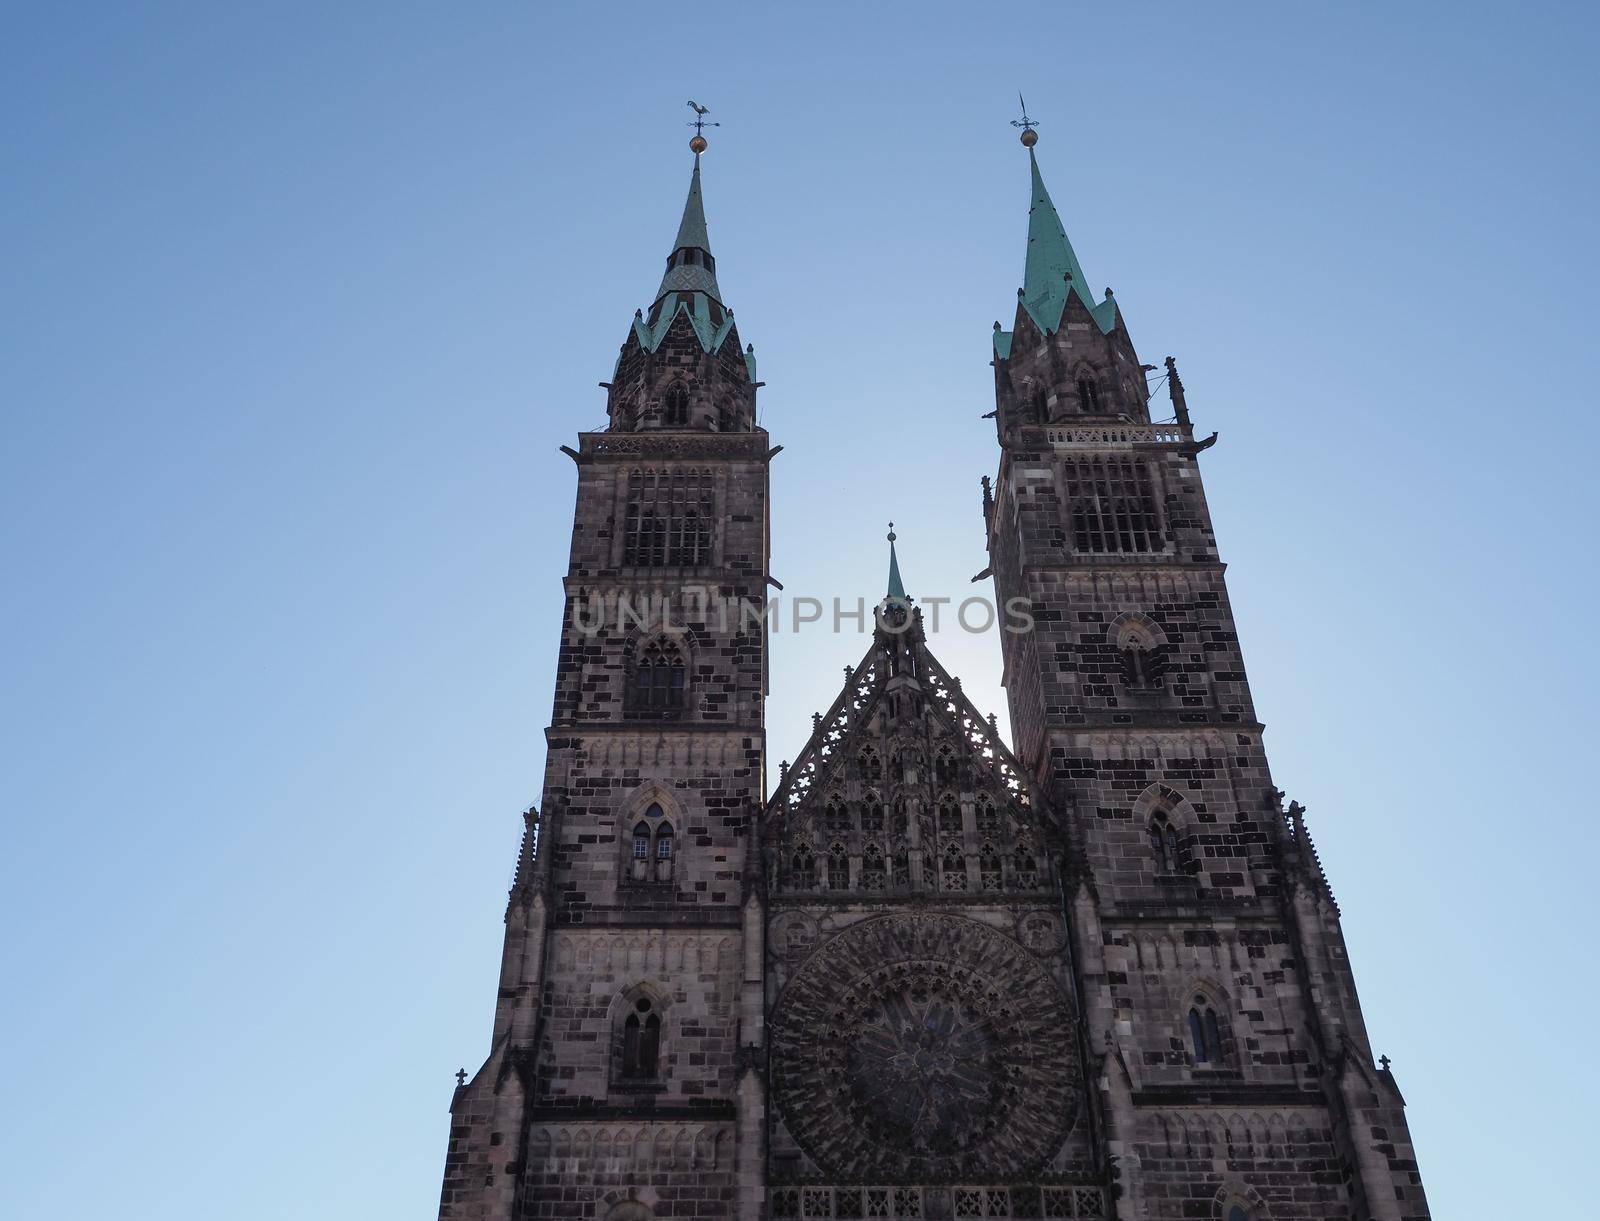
<point x="697" y="144"/>
<point x="1029" y="136"/>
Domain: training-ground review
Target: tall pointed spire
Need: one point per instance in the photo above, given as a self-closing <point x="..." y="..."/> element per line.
<point x="897" y="589"/>
<point x="691" y="267"/>
<point x="1053" y="272"/>
<point x="659" y="381"/>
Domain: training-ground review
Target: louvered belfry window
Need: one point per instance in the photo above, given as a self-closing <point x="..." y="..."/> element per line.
<point x="1113" y="506"/>
<point x="667" y="523"/>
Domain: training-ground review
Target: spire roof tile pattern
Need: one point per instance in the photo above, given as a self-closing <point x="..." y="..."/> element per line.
<point x="695" y="272"/>
<point x="690" y="287"/>
<point x="1053" y="272"/>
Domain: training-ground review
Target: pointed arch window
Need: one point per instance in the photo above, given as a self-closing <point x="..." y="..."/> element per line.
<point x="1142" y="660"/>
<point x="656" y="684"/>
<point x="988" y="817"/>
<point x="989" y="867"/>
<point x="949" y="816"/>
<point x="873" y="873"/>
<point x="872" y="813"/>
<point x="641" y="1042"/>
<point x="1205" y="1032"/>
<point x="945" y="768"/>
<point x="836" y="815"/>
<point x="902" y="866"/>
<point x="803" y="868"/>
<point x="1136" y="667"/>
<point x="1025" y="867"/>
<point x="838" y="868"/>
<point x="675" y="406"/>
<point x="954" y="868"/>
<point x="1088" y="395"/>
<point x="1113" y="506"/>
<point x="1165" y="845"/>
<point x="651" y="854"/>
<point x="871" y="766"/>
<point x="667" y="521"/>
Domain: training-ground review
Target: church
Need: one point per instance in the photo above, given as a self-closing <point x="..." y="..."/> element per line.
<point x="919" y="972"/>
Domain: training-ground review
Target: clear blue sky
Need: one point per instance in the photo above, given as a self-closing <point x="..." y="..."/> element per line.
<point x="300" y="301"/>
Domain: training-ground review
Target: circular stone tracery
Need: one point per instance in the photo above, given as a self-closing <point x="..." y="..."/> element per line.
<point x="925" y="1047"/>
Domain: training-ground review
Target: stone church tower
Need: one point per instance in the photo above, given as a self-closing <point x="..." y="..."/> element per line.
<point x="1101" y="976"/>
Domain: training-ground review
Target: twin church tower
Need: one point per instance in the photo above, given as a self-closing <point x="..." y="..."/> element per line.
<point x="919" y="973"/>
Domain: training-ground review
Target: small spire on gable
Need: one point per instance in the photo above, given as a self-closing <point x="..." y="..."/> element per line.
<point x="897" y="589"/>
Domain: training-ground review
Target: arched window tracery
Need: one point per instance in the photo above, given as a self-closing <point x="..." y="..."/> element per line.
<point x="651" y="855"/>
<point x="838" y="868"/>
<point x="1205" y="1031"/>
<point x="1024" y="866"/>
<point x="871" y="765"/>
<point x="989" y="867"/>
<point x="902" y="820"/>
<point x="949" y="816"/>
<point x="803" y="867"/>
<point x="641" y="1042"/>
<point x="873" y="873"/>
<point x="667" y="521"/>
<point x="1088" y="394"/>
<point x="872" y="813"/>
<point x="657" y="678"/>
<point x="836" y="815"/>
<point x="675" y="406"/>
<point x="954" y="868"/>
<point x="988" y="817"/>
<point x="1165" y="845"/>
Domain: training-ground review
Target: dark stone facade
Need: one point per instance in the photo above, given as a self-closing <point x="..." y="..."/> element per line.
<point x="1100" y="977"/>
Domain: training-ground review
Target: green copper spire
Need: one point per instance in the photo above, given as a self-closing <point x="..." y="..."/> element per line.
<point x="897" y="589"/>
<point x="691" y="267"/>
<point x="690" y="285"/>
<point x="1053" y="272"/>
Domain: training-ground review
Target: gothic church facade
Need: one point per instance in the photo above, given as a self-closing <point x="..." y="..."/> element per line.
<point x="1095" y="973"/>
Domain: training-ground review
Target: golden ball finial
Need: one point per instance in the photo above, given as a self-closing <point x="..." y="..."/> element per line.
<point x="697" y="144"/>
<point x="1029" y="137"/>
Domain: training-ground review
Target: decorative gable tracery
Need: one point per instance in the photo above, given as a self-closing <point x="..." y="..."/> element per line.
<point x="904" y="785"/>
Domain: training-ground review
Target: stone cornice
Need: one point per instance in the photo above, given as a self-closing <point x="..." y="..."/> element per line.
<point x="1229" y="1093"/>
<point x="626" y="446"/>
<point x="645" y="729"/>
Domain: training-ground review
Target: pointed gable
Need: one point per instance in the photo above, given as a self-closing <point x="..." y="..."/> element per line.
<point x="905" y="786"/>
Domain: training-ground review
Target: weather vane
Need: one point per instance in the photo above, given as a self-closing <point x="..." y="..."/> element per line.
<point x="698" y="142"/>
<point x="1029" y="136"/>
